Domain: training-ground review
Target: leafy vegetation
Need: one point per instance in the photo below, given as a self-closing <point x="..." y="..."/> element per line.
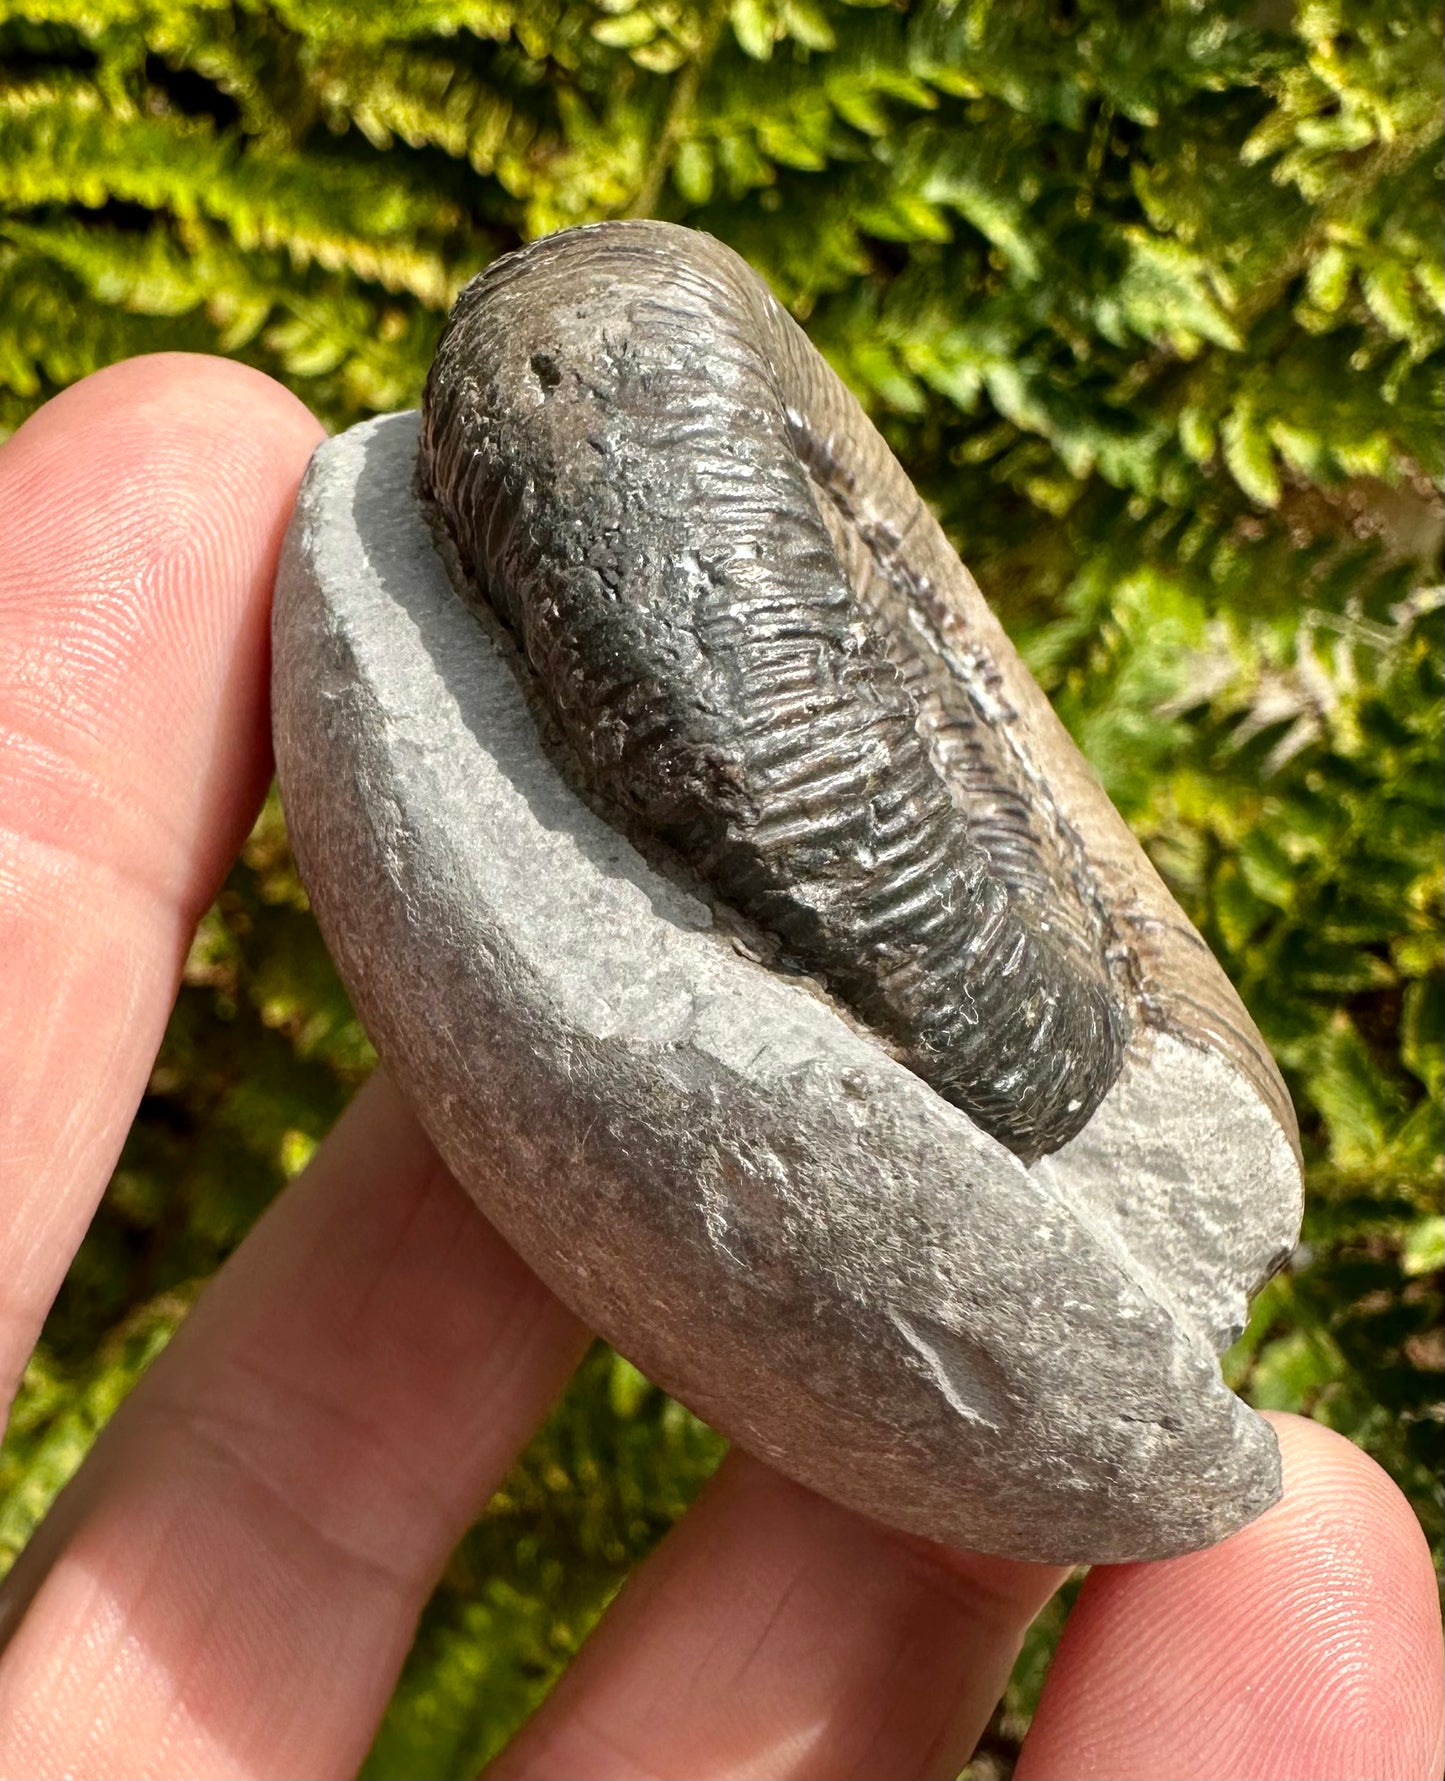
<point x="1150" y="304"/>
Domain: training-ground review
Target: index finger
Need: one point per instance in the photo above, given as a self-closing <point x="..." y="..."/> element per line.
<point x="140" y="517"/>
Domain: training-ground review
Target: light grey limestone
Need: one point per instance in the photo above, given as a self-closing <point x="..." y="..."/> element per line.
<point x="713" y="1165"/>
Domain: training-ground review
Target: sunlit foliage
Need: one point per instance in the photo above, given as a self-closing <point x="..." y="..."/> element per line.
<point x="1149" y="301"/>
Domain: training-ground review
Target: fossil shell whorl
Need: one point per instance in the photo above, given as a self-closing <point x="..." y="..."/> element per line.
<point x="663" y="491"/>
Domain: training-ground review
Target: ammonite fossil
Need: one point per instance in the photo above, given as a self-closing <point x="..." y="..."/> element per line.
<point x="749" y="934"/>
<point x="743" y="653"/>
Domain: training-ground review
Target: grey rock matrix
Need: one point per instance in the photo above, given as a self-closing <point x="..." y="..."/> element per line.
<point x="998" y="1335"/>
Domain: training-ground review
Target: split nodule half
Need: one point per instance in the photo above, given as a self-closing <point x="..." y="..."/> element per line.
<point x="943" y="1194"/>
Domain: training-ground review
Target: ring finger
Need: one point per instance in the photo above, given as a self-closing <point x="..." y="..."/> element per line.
<point x="231" y="1583"/>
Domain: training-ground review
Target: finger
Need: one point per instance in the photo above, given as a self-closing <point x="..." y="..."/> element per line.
<point x="140" y="516"/>
<point x="1307" y="1645"/>
<point x="774" y="1634"/>
<point x="231" y="1584"/>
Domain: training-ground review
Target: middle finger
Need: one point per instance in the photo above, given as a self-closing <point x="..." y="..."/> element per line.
<point x="775" y="1634"/>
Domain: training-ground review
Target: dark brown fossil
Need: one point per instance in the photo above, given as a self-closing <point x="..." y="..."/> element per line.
<point x="752" y="637"/>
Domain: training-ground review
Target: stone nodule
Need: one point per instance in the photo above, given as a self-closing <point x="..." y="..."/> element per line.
<point x="749" y="935"/>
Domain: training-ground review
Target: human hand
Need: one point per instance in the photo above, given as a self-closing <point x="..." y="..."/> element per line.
<point x="232" y="1581"/>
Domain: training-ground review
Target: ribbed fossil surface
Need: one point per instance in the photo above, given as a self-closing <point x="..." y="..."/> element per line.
<point x="732" y="605"/>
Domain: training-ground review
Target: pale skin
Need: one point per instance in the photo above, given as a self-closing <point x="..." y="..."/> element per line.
<point x="230" y="1585"/>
